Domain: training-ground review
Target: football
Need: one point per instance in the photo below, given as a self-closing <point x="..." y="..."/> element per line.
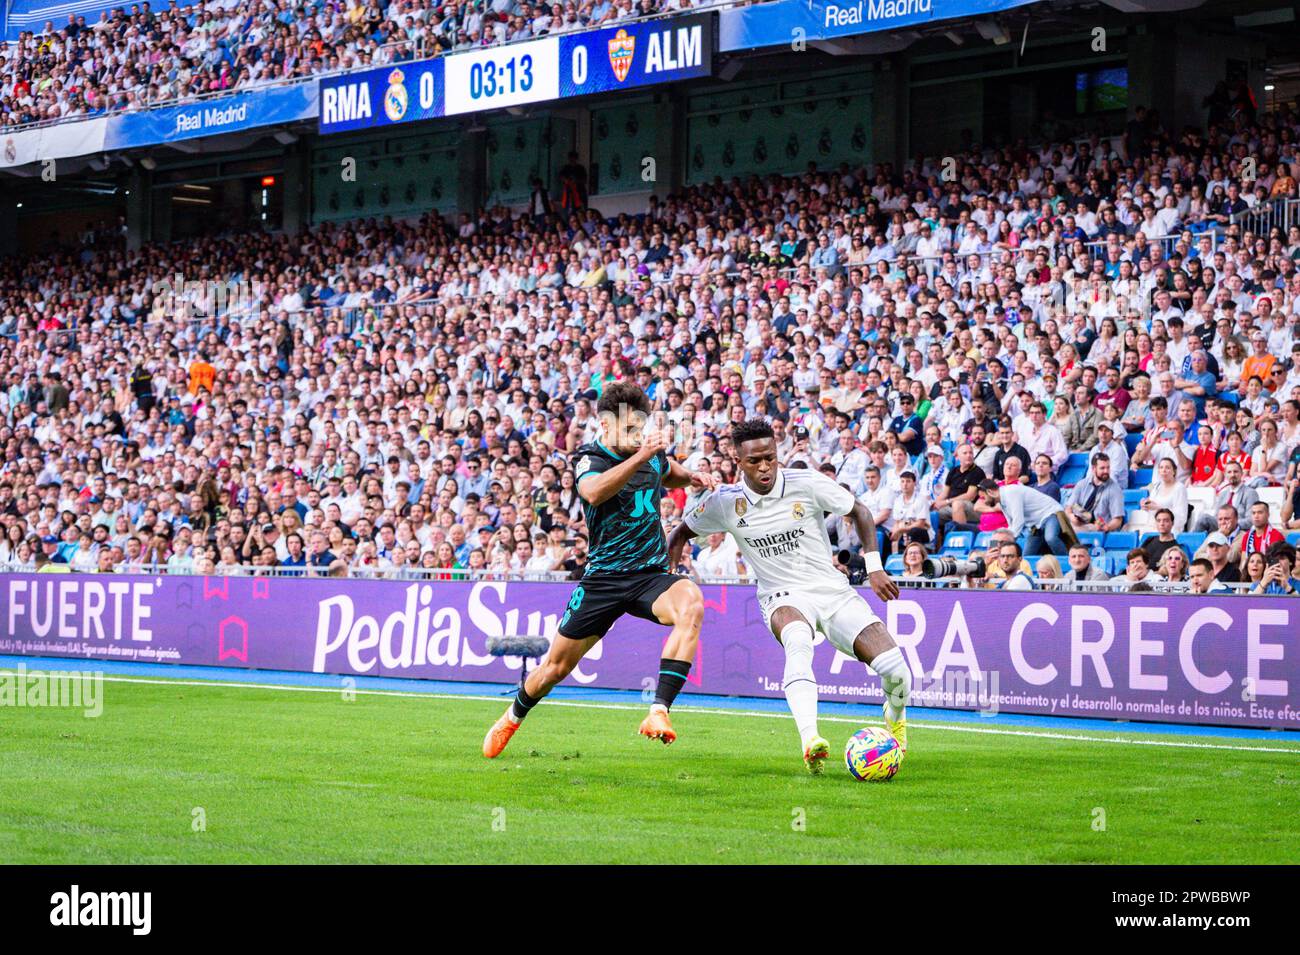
<point x="873" y="755"/>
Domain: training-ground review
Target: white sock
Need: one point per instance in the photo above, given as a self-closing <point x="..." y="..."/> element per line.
<point x="799" y="683"/>
<point x="896" y="679"/>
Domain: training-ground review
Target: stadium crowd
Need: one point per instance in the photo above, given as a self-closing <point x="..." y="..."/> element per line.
<point x="135" y="57"/>
<point x="992" y="363"/>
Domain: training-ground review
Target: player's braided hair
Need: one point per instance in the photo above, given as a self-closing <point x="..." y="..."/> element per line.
<point x="753" y="429"/>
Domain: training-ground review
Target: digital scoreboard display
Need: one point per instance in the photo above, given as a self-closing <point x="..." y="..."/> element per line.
<point x="537" y="71"/>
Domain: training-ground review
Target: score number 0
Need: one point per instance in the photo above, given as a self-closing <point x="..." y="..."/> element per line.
<point x="578" y="65"/>
<point x="426" y="90"/>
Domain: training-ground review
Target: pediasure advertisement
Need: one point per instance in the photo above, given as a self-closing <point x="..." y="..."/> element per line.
<point x="1180" y="659"/>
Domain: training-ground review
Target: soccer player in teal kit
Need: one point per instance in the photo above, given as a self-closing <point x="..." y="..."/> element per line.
<point x="621" y="479"/>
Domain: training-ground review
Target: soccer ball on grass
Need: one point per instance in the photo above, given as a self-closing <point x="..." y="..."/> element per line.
<point x="873" y="755"/>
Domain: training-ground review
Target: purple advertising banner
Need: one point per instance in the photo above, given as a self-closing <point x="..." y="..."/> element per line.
<point x="1178" y="659"/>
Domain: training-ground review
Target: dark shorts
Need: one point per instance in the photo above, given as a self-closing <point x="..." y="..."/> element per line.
<point x="597" y="602"/>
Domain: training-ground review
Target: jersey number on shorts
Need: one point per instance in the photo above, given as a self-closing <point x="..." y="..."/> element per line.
<point x="575" y="601"/>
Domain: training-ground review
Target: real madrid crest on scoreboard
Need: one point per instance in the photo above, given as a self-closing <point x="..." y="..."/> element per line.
<point x="536" y="71"/>
<point x="395" y="99"/>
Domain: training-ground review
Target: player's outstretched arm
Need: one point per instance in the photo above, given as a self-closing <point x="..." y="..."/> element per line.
<point x="597" y="488"/>
<point x="678" y="476"/>
<point x="881" y="583"/>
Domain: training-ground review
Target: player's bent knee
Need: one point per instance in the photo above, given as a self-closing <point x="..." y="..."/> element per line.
<point x="685" y="604"/>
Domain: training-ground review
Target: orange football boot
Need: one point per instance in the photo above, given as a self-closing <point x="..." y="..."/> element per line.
<point x="499" y="735"/>
<point x="658" y="726"/>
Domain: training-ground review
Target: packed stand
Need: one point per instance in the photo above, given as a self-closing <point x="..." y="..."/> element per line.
<point x="136" y="57"/>
<point x="1010" y="366"/>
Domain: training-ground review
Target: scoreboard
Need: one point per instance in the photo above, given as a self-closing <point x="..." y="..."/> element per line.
<point x="516" y="74"/>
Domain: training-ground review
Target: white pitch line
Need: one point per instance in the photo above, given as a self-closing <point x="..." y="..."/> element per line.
<point x="720" y="711"/>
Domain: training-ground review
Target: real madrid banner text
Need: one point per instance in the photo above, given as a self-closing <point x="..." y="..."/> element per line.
<point x="776" y="23"/>
<point x="551" y="68"/>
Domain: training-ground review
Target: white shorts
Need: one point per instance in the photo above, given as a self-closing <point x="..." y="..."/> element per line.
<point x="841" y="619"/>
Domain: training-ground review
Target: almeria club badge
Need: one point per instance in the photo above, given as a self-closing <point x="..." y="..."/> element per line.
<point x="621" y="50"/>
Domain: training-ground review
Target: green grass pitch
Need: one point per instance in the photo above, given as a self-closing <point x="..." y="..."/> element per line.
<point x="208" y="773"/>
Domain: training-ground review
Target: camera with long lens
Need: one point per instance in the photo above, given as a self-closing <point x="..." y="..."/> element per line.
<point x="856" y="567"/>
<point x="934" y="567"/>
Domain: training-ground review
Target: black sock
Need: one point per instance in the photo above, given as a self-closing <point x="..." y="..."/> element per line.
<point x="523" y="703"/>
<point x="672" y="676"/>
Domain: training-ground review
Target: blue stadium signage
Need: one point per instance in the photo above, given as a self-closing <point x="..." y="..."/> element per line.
<point x="640" y="54"/>
<point x="400" y="93"/>
<point x="252" y="109"/>
<point x="836" y="15"/>
<point x="774" y="24"/>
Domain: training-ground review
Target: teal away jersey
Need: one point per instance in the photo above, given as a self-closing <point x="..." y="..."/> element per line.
<point x="626" y="535"/>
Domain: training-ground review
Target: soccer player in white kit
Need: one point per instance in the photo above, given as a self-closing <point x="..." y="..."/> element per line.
<point x="777" y="517"/>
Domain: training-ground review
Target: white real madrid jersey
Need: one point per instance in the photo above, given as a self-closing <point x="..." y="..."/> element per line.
<point x="781" y="534"/>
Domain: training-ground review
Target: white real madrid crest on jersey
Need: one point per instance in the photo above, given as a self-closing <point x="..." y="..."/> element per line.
<point x="782" y="534"/>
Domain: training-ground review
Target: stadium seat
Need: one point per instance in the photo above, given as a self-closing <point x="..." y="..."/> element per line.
<point x="1134" y="496"/>
<point x="1140" y="477"/>
<point x="1121" y="540"/>
<point x="1144" y="536"/>
<point x="894" y="564"/>
<point x="1093" y="539"/>
<point x="1192" y="541"/>
<point x="1200" y="498"/>
<point x="1139" y="520"/>
<point x="1131" y="441"/>
<point x="1077" y="459"/>
<point x="1118" y="560"/>
<point x="1293" y="538"/>
<point x="982" y="540"/>
<point x="1071" y="475"/>
<point x="958" y="543"/>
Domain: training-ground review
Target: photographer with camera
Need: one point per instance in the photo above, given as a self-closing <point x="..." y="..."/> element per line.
<point x="1011" y="565"/>
<point x="1001" y="567"/>
<point x="851" y="565"/>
